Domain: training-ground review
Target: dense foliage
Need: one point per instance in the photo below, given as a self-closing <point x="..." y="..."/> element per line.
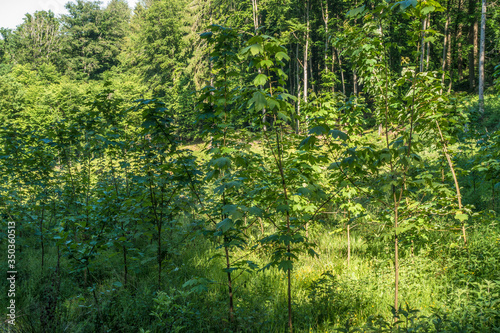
<point x="227" y="166"/>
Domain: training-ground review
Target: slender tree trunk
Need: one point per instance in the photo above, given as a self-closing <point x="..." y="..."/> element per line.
<point x="473" y="44"/>
<point x="481" y="57"/>
<point x="348" y="246"/>
<point x="422" y="44"/>
<point x="159" y="255"/>
<point x="460" y="60"/>
<point x="41" y="236"/>
<point x="325" y="19"/>
<point x="58" y="264"/>
<point x="210" y="64"/>
<point x="255" y="12"/>
<point x="279" y="163"/>
<point x="341" y="74"/>
<point x="333" y="68"/>
<point x="396" y="254"/>
<point x="297" y="72"/>
<point x="427" y="60"/>
<point x="291" y="77"/>
<point x="457" y="34"/>
<point x="229" y="283"/>
<point x="125" y="265"/>
<point x="446" y="43"/>
<point x="493" y="205"/>
<point x="311" y="71"/>
<point x="289" y="290"/>
<point x="355" y="82"/>
<point x="455" y="179"/>
<point x="306" y="51"/>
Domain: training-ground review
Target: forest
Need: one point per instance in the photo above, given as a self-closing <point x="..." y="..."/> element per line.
<point x="251" y="166"/>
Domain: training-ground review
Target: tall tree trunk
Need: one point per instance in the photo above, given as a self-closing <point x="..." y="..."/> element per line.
<point x="297" y="72"/>
<point x="481" y="58"/>
<point x="348" y="238"/>
<point x="446" y="43"/>
<point x="325" y="19"/>
<point x="396" y="254"/>
<point x="306" y="51"/>
<point x="210" y="64"/>
<point x="333" y="69"/>
<point x="229" y="282"/>
<point x="341" y="73"/>
<point x="456" y="33"/>
<point x="306" y="68"/>
<point x="255" y="12"/>
<point x="473" y="44"/>
<point x="355" y="82"/>
<point x="311" y="72"/>
<point x="428" y="44"/>
<point x="460" y="60"/>
<point x="291" y="76"/>
<point x="348" y="246"/>
<point x="422" y="44"/>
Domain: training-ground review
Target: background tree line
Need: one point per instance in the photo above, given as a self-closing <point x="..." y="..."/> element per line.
<point x="158" y="43"/>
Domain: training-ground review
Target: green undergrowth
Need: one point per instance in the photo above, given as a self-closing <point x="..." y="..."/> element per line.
<point x="444" y="287"/>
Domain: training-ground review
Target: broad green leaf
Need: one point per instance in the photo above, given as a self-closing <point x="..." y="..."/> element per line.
<point x="256" y="211"/>
<point x="336" y="134"/>
<point x="222" y="162"/>
<point x="282" y="208"/>
<point x="117" y="284"/>
<point x="225" y="225"/>
<point x="256" y="49"/>
<point x="356" y="11"/>
<point x="282" y="116"/>
<point x="308" y="142"/>
<point x="251" y="264"/>
<point x="259" y="101"/>
<point x="285" y="265"/>
<point x="260" y="80"/>
<point x="267" y="63"/>
<point x="281" y="55"/>
<point x="229" y="209"/>
<point x="206" y="35"/>
<point x="461" y="217"/>
<point x="405" y="4"/>
<point x="318" y="130"/>
<point x="386" y="156"/>
<point x="427" y="9"/>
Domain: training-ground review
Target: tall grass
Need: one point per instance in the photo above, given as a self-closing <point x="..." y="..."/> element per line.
<point x="439" y="279"/>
